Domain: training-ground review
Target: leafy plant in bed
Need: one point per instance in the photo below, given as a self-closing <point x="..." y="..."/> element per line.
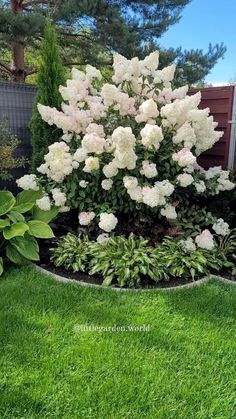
<point x="21" y="224"/>
<point x="132" y="262"/>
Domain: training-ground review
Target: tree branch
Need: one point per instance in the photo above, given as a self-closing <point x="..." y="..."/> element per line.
<point x="5" y="68"/>
<point x="33" y="2"/>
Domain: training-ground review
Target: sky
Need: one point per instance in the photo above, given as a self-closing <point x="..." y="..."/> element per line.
<point x="202" y="22"/>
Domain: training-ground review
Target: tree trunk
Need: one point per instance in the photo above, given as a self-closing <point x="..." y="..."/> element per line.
<point x="18" y="48"/>
<point x="18" y="62"/>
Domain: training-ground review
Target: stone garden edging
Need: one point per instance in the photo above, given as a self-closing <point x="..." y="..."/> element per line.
<point x="206" y="279"/>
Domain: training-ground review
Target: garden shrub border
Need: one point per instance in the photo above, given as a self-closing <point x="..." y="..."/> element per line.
<point x="193" y="284"/>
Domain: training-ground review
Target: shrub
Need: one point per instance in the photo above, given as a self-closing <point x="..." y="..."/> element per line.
<point x="8" y="146"/>
<point x="21" y="222"/>
<point x="130" y="147"/>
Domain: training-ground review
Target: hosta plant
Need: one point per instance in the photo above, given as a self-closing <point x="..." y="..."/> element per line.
<point x="72" y="252"/>
<point x="227" y="250"/>
<point x="125" y="261"/>
<point x="131" y="261"/>
<point x="128" y="147"/>
<point x="21" y="223"/>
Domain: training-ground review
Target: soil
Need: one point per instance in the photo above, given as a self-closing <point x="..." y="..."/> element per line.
<point x="146" y="283"/>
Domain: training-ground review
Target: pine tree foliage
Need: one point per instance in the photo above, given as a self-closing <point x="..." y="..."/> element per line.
<point x="90" y="31"/>
<point x="50" y="77"/>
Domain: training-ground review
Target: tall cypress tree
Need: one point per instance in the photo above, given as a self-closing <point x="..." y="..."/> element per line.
<point x="50" y="77"/>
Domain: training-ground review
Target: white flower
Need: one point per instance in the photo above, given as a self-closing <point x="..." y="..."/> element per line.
<point x="200" y="186"/>
<point x="188" y="244"/>
<point x="44" y="203"/>
<point x="148" y="169"/>
<point x="164" y="187"/>
<point x="152" y="197"/>
<point x="151" y="136"/>
<point x="221" y="227"/>
<point x="92" y="143"/>
<point x="103" y="239"/>
<point x="83" y="183"/>
<point x="58" y="162"/>
<point x="107" y="222"/>
<point x="91" y="164"/>
<point x="123" y="138"/>
<point x="67" y="137"/>
<point x="28" y="182"/>
<point x="64" y="209"/>
<point x="205" y="240"/>
<point x="95" y="129"/>
<point x="80" y="155"/>
<point x="165" y="75"/>
<point x="85" y="218"/>
<point x="92" y="73"/>
<point x="130" y="182"/>
<point x="110" y="169"/>
<point x="136" y="194"/>
<point x="184" y="157"/>
<point x="169" y="212"/>
<point x="147" y="111"/>
<point x="185" y="179"/>
<point x="176" y="113"/>
<point x="212" y="172"/>
<point x="59" y="197"/>
<point x="107" y="184"/>
<point x="186" y="135"/>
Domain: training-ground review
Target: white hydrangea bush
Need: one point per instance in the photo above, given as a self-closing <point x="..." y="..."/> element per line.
<point x="128" y="146"/>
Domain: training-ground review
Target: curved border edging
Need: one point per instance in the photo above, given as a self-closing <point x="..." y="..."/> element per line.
<point x="206" y="279"/>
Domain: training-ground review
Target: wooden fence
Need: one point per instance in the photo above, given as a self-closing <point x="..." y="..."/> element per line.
<point x="221" y="101"/>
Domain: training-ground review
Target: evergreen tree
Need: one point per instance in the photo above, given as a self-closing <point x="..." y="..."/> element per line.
<point x="50" y="77"/>
<point x="91" y="30"/>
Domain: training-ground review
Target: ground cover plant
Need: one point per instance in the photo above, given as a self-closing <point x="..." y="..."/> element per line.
<point x="127" y="159"/>
<point x="183" y="367"/>
<point x="131" y="261"/>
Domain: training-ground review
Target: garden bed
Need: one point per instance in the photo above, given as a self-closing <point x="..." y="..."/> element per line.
<point x="146" y="283"/>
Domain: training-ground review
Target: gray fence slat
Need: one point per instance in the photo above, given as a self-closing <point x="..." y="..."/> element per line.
<point x="16" y="102"/>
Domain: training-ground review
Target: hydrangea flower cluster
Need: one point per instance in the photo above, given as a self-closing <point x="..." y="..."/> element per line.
<point x="136" y="134"/>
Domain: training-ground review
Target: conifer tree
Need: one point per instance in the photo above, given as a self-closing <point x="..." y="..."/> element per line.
<point x="50" y="77"/>
<point x="91" y="30"/>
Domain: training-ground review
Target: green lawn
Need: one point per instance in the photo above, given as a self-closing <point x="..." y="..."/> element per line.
<point x="184" y="367"/>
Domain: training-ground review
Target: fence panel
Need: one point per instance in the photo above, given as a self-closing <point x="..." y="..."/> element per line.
<point x="16" y="102"/>
<point x="220" y="102"/>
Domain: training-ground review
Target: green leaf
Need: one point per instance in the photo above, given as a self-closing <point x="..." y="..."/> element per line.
<point x="15" y="216"/>
<point x="7" y="201"/>
<point x="4" y="223"/>
<point x="45" y="216"/>
<point x="22" y="208"/>
<point x="40" y="229"/>
<point x="108" y="280"/>
<point x="26" y="246"/>
<point x="14" y="256"/>
<point x="1" y="266"/>
<point x="26" y="197"/>
<point x="82" y="194"/>
<point x="17" y="229"/>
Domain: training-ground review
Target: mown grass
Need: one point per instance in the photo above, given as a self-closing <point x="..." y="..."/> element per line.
<point x="184" y="367"/>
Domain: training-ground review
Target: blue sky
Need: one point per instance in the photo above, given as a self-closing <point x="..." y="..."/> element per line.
<point x="205" y="21"/>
